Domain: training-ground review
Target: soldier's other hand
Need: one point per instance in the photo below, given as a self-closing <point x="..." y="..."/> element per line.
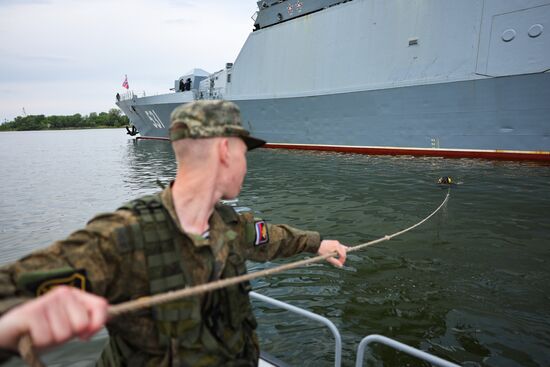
<point x="328" y="246"/>
<point x="54" y="318"/>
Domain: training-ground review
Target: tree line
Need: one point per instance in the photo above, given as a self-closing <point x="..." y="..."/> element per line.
<point x="113" y="118"/>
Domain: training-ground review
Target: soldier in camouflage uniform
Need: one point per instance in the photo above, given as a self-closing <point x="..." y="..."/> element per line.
<point x="177" y="238"/>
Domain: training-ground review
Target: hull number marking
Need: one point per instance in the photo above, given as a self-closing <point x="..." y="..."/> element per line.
<point x="155" y="119"/>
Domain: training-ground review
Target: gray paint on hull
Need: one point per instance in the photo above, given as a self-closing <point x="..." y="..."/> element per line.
<point x="509" y="113"/>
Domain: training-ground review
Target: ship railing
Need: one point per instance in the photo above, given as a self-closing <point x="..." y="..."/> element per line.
<point x="210" y="93"/>
<point x="371" y="339"/>
<point x="127" y="95"/>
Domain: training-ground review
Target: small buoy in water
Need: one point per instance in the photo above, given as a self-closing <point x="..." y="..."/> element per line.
<point x="447" y="180"/>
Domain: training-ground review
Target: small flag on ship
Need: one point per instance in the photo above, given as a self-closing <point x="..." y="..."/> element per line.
<point x="125" y="82"/>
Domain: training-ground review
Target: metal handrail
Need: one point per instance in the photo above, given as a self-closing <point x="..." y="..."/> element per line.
<point x="127" y="95"/>
<point x="309" y="315"/>
<point x="436" y="361"/>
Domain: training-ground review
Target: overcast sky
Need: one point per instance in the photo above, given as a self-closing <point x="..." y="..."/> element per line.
<point x="70" y="56"/>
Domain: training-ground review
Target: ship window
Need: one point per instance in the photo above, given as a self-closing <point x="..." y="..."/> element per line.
<point x="413" y="41"/>
<point x="229" y="78"/>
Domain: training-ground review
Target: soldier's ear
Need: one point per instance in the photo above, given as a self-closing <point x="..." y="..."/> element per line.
<point x="223" y="151"/>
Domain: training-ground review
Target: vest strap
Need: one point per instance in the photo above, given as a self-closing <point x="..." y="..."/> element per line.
<point x="167" y="283"/>
<point x="164" y="258"/>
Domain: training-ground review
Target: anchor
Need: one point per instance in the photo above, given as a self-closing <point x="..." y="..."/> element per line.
<point x="133" y="131"/>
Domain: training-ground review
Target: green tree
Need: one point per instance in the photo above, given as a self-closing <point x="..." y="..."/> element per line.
<point x="113" y="118"/>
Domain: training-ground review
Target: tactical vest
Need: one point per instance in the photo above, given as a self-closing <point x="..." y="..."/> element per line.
<point x="208" y="330"/>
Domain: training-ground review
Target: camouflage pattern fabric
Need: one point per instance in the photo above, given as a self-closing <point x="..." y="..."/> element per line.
<point x="210" y="119"/>
<point x="117" y="270"/>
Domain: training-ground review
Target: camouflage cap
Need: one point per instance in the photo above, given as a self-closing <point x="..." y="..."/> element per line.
<point x="210" y="119"/>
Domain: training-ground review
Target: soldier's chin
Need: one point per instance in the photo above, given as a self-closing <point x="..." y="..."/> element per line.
<point x="230" y="197"/>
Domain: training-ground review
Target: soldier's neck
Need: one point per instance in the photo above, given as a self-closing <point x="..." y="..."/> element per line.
<point x="194" y="199"/>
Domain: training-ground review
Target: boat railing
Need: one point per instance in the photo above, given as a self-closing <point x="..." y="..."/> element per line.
<point x="309" y="315"/>
<point x="371" y="339"/>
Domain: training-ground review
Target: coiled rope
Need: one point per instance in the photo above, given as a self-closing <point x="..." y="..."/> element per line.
<point x="25" y="343"/>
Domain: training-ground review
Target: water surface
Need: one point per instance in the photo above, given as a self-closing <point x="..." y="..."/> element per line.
<point x="471" y="285"/>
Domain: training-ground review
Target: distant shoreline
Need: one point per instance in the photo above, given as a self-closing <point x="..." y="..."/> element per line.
<point x="104" y="120"/>
<point x="67" y="128"/>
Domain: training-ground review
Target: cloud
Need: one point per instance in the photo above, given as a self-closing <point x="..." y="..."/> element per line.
<point x="24" y="2"/>
<point x="71" y="56"/>
<point x="181" y="3"/>
<point x="179" y="21"/>
<point x="43" y="58"/>
<point x="34" y="67"/>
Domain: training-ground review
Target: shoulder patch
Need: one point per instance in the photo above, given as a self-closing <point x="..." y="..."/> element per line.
<point x="41" y="282"/>
<point x="262" y="236"/>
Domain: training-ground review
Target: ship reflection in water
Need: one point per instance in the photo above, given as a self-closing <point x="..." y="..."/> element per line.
<point x="149" y="163"/>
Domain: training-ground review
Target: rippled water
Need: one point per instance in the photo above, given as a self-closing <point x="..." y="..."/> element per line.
<point x="472" y="285"/>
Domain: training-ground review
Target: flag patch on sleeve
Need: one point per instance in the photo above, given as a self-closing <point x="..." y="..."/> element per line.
<point x="261" y="233"/>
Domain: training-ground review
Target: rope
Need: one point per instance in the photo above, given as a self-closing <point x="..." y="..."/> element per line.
<point x="25" y="343"/>
<point x="27" y="353"/>
<point x="147" y="302"/>
<point x="387" y="238"/>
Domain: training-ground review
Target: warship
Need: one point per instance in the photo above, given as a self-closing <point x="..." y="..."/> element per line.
<point x="445" y="78"/>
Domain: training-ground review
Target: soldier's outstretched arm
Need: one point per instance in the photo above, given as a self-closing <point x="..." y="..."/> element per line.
<point x="53" y="319"/>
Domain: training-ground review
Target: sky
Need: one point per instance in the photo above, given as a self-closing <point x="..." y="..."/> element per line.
<point x="61" y="57"/>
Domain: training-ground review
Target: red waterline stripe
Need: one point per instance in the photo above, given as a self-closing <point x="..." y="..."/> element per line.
<point x="454" y="153"/>
<point x="151" y="138"/>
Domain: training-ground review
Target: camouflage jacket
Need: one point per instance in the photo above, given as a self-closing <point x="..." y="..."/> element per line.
<point x="94" y="259"/>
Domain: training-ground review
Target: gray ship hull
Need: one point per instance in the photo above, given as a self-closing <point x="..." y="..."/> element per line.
<point x="506" y="117"/>
<point x="449" y="78"/>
